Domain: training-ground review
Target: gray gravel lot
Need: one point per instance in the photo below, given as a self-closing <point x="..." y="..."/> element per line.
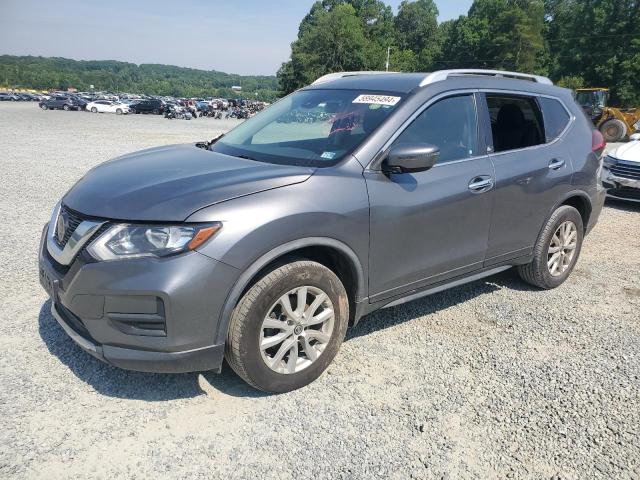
<point x="488" y="380"/>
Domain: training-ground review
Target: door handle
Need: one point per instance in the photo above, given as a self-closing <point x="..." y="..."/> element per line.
<point x="556" y="164"/>
<point x="481" y="184"/>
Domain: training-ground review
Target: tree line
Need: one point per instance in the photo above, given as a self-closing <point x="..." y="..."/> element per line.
<point x="61" y="73"/>
<point x="575" y="42"/>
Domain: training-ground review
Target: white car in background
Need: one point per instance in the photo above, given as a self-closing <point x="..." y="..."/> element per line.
<point x="107" y="106"/>
<point x="621" y="171"/>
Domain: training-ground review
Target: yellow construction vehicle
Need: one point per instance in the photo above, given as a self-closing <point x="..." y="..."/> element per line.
<point x="615" y="123"/>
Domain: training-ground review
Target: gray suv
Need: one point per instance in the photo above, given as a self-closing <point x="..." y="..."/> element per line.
<point x="358" y="192"/>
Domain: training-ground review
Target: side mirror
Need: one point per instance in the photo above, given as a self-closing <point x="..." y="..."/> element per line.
<point x="411" y="157"/>
<point x="635" y="137"/>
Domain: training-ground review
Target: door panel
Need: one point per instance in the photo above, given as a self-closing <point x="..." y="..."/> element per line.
<point x="529" y="182"/>
<point x="427" y="226"/>
<point x="526" y="189"/>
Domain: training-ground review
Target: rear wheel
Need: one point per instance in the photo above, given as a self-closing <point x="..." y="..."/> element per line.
<point x="156" y="111"/>
<point x="43" y="107"/>
<point x="288" y="327"/>
<point x="119" y="111"/>
<point x="613" y="130"/>
<point x="94" y="110"/>
<point x="556" y="251"/>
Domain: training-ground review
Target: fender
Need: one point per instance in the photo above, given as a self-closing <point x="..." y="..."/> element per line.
<point x="564" y="198"/>
<point x="243" y="281"/>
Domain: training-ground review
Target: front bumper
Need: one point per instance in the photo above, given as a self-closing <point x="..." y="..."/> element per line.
<point x="151" y="315"/>
<point x="621" y="188"/>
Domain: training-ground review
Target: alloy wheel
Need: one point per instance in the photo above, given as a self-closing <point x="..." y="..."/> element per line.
<point x="562" y="248"/>
<point x="296" y="329"/>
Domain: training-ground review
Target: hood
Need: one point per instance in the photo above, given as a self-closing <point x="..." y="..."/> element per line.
<point x="629" y="152"/>
<point x="170" y="183"/>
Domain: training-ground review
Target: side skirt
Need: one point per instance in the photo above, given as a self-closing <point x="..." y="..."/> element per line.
<point x="364" y="308"/>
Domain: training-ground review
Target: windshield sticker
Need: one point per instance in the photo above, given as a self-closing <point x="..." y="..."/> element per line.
<point x="377" y="99"/>
<point x="328" y="155"/>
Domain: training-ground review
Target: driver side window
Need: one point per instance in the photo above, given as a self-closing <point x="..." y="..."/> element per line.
<point x="450" y="124"/>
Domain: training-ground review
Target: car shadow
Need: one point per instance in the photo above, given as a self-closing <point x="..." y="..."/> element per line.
<point x="622" y="205"/>
<point x="115" y="382"/>
<point x="389" y="317"/>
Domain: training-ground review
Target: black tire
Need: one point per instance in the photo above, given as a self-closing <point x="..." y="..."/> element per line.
<point x="242" y="350"/>
<point x="613" y="130"/>
<point x="118" y="111"/>
<point x="156" y="111"/>
<point x="44" y="107"/>
<point x="537" y="272"/>
<point x="94" y="110"/>
<point x="66" y="108"/>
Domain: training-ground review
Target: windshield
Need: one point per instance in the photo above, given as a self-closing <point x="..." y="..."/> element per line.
<point x="310" y="128"/>
<point x="591" y="98"/>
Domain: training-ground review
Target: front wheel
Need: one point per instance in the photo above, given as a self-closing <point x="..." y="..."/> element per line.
<point x="556" y="251"/>
<point x="43" y="107"/>
<point x="613" y="130"/>
<point x="94" y="110"/>
<point x="288" y="327"/>
<point x="119" y="111"/>
<point x="66" y="108"/>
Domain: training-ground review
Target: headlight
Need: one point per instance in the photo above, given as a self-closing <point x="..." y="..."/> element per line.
<point x="135" y="241"/>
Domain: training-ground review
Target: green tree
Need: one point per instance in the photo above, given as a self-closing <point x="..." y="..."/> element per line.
<point x="332" y="40"/>
<point x="61" y="73"/>
<point x="417" y="31"/>
<point x="598" y="40"/>
<point x="501" y="34"/>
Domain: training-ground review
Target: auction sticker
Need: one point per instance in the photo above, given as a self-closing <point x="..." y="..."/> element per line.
<point x="377" y="99"/>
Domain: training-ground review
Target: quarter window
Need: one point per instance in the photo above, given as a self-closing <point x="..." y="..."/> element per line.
<point x="556" y="117"/>
<point x="450" y="124"/>
<point x="516" y="122"/>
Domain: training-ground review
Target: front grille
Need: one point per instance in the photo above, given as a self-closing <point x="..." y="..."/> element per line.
<point x="626" y="170"/>
<point x="625" y="192"/>
<point x="72" y="220"/>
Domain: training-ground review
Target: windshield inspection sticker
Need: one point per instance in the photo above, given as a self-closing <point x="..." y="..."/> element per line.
<point x="377" y="99"/>
<point x="328" y="155"/>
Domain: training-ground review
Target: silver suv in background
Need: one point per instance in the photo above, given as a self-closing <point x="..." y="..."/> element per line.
<point x="358" y="192"/>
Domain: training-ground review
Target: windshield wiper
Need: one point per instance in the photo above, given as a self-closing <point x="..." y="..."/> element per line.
<point x="207" y="145"/>
<point x="246" y="157"/>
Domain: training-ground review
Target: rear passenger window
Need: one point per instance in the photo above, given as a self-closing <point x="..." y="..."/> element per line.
<point x="450" y="124"/>
<point x="556" y="117"/>
<point x="516" y="122"/>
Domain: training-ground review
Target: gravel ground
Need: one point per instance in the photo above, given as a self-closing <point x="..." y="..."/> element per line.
<point x="488" y="380"/>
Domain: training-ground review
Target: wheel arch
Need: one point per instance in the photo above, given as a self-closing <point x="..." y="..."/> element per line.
<point x="578" y="200"/>
<point x="332" y="253"/>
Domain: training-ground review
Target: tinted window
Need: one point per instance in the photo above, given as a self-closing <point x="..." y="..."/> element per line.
<point x="516" y="122"/>
<point x="449" y="124"/>
<point x="556" y="117"/>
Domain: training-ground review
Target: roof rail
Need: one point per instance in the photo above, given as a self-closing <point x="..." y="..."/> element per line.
<point x="334" y="76"/>
<point x="444" y="74"/>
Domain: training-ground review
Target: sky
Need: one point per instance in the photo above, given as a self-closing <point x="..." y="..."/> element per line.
<point x="234" y="36"/>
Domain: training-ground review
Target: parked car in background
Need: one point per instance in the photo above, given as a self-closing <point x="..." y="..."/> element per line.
<point x="263" y="245"/>
<point x="106" y="106"/>
<point x="9" y="97"/>
<point x="621" y="171"/>
<point x="151" y="105"/>
<point x="62" y="103"/>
